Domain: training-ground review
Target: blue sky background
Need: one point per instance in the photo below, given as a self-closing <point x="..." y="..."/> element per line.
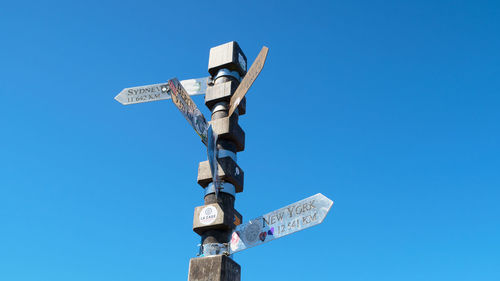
<point x="390" y="108"/>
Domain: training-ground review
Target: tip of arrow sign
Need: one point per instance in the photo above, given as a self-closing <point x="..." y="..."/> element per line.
<point x="119" y="98"/>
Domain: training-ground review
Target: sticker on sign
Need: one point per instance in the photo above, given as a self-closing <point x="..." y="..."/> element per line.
<point x="287" y="220"/>
<point x="208" y="215"/>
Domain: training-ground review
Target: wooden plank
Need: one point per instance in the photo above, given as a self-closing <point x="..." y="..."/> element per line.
<point x="248" y="80"/>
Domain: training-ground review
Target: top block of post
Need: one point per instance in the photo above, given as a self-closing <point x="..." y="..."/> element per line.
<point x="228" y="56"/>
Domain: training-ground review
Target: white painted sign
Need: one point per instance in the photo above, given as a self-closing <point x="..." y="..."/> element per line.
<point x="287" y="220"/>
<point x="154" y="93"/>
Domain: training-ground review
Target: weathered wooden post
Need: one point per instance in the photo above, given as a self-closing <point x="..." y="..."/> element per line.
<point x="216" y="220"/>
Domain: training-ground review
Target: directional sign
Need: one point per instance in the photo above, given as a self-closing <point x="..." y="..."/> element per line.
<point x="153" y="92"/>
<point x="213" y="155"/>
<point x="287" y="220"/>
<point x="187" y="107"/>
<point x="248" y="80"/>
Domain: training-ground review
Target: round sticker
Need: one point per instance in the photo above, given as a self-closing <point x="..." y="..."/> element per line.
<point x="251" y="232"/>
<point x="208" y="215"/>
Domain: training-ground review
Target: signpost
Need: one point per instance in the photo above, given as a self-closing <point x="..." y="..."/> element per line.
<point x="217" y="221"/>
<point x="276" y="224"/>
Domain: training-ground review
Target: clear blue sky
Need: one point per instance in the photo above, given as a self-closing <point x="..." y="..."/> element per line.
<point x="390" y="108"/>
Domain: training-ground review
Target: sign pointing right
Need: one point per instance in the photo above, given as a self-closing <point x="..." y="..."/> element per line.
<point x="248" y="80"/>
<point x="287" y="220"/>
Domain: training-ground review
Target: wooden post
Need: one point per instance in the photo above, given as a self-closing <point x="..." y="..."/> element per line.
<point x="215" y="220"/>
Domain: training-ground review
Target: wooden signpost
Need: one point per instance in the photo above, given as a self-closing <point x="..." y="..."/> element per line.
<point x="217" y="221"/>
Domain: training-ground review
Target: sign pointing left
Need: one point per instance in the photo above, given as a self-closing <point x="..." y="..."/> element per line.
<point x="153" y="92"/>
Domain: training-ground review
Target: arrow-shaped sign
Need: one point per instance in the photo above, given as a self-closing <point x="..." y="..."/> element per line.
<point x="213" y="155"/>
<point x="187" y="107"/>
<point x="153" y="92"/>
<point x="248" y="80"/>
<point x="287" y="220"/>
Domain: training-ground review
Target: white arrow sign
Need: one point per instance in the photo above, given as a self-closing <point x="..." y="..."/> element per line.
<point x="287" y="220"/>
<point x="153" y="92"/>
